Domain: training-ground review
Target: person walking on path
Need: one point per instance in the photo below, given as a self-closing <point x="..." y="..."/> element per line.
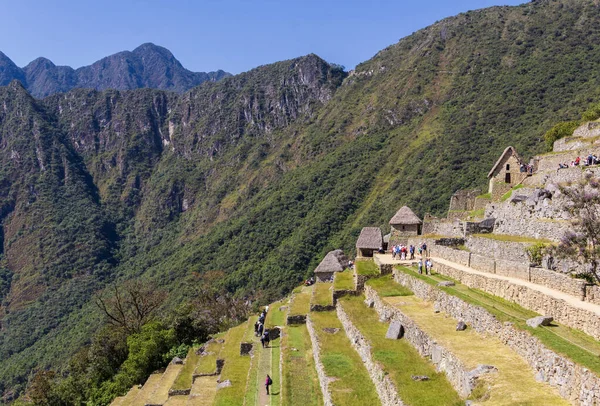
<point x="268" y="382"/>
<point x="420" y="266"/>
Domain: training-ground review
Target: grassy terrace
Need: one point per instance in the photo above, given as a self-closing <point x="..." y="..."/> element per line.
<point x="400" y="360"/>
<point x="512" y="238"/>
<point x="385" y="286"/>
<point x="235" y="369"/>
<point x="301" y="301"/>
<point x="366" y="268"/>
<point x="300" y="381"/>
<point x="352" y="384"/>
<point x="322" y="294"/>
<point x="208" y="363"/>
<point x="275" y="317"/>
<point x="184" y="379"/>
<point x="573" y="344"/>
<point x="343" y="281"/>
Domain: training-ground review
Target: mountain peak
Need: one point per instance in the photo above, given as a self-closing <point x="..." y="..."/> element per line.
<point x="147" y="66"/>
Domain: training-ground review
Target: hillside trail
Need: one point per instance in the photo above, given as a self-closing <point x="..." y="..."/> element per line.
<point x="264" y="368"/>
<point x="571" y="300"/>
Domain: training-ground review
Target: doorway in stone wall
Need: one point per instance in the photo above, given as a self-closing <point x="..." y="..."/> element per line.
<point x="507" y="178"/>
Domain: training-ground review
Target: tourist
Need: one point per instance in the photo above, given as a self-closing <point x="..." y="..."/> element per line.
<point x="412" y="252"/>
<point x="577" y="161"/>
<point x="265" y="339"/>
<point x="268" y="382"/>
<point x="428" y="266"/>
<point x="424" y="247"/>
<point x="260" y="328"/>
<point x="256" y="328"/>
<point x="561" y="166"/>
<point x="420" y="265"/>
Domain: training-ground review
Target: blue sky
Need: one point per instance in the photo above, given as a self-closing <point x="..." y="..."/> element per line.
<point x="234" y="35"/>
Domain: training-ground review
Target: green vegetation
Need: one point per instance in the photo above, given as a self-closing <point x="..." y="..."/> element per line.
<point x="536" y="252"/>
<point x="323" y="294"/>
<point x="263" y="203"/>
<point x="184" y="379"/>
<point x="571" y="343"/>
<point x="300" y="382"/>
<point x="301" y="302"/>
<point x="276" y="314"/>
<point x="343" y="280"/>
<point x="485" y="196"/>
<point x="386" y="287"/>
<point x="235" y="369"/>
<point x="208" y="363"/>
<point x="400" y="360"/>
<point x="353" y="385"/>
<point x="367" y="268"/>
<point x="507" y="195"/>
<point x="560" y="130"/>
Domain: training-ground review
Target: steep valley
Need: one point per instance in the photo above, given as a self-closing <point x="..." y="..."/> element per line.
<point x="258" y="175"/>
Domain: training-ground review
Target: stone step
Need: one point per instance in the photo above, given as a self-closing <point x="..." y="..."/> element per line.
<point x="204" y="391"/>
<point x="130" y="396"/>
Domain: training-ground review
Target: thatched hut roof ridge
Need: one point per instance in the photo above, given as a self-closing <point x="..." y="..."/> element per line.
<point x="508" y="150"/>
<point x="405" y="216"/>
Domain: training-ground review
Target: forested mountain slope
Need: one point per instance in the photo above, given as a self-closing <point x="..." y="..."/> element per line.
<point x="258" y="175"/>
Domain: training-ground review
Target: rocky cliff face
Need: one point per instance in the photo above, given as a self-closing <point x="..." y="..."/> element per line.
<point x="148" y="66"/>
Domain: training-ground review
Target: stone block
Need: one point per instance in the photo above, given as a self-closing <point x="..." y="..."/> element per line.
<point x="395" y="331"/>
<point x="177" y="361"/>
<point x="446" y="283"/>
<point x="420" y="378"/>
<point x="461" y="326"/>
<point x="245" y="348"/>
<point x="224" y="384"/>
<point x="540" y="321"/>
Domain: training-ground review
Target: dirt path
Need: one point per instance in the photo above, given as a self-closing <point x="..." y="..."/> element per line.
<point x="264" y="368"/>
<point x="571" y="300"/>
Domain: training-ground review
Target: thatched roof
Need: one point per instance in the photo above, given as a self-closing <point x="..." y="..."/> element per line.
<point x="334" y="261"/>
<point x="507" y="151"/>
<point x="370" y="238"/>
<point x="405" y="216"/>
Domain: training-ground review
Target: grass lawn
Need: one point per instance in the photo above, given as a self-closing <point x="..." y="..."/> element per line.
<point x="512" y="238"/>
<point x="385" y="286"/>
<point x="352" y="384"/>
<point x="275" y="372"/>
<point x="322" y="294"/>
<point x="513" y="384"/>
<point x="184" y="379"/>
<point x="367" y="268"/>
<point x="300" y="381"/>
<point x="343" y="280"/>
<point x="301" y="301"/>
<point x="400" y="360"/>
<point x="276" y="317"/>
<point x="208" y="363"/>
<point x="235" y="369"/>
<point x="573" y="344"/>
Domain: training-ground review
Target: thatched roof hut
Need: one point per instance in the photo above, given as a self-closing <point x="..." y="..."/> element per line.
<point x="370" y="238"/>
<point x="405" y="216"/>
<point x="334" y="261"/>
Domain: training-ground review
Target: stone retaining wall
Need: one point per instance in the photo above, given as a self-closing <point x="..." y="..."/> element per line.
<point x="451" y="254"/>
<point x="514" y="251"/>
<point x="483" y="263"/>
<point x="457" y="373"/>
<point x="316" y="350"/>
<point x="296" y="319"/>
<point x="592" y="294"/>
<point x="388" y="394"/>
<point x="512" y="268"/>
<point x="558" y="281"/>
<point x="574" y="382"/>
<point x="528" y="298"/>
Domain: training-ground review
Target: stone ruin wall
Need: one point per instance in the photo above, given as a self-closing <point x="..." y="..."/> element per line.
<point x="323" y="378"/>
<point x="575" y="383"/>
<point x="528" y="298"/>
<point x="463" y="200"/>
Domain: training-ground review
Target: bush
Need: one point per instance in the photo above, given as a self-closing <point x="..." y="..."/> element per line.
<point x="591" y="114"/>
<point x="560" y="130"/>
<point x="536" y="252"/>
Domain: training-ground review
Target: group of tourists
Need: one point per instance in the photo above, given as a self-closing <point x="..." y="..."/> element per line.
<point x="591" y="159"/>
<point x="310" y="281"/>
<point x="259" y="329"/>
<point x="525" y="168"/>
<point x="426" y="266"/>
<point x="402" y="252"/>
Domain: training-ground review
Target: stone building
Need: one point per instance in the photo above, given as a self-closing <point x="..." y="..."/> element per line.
<point x="334" y="261"/>
<point x="369" y="241"/>
<point x="506" y="173"/>
<point x="404" y="224"/>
